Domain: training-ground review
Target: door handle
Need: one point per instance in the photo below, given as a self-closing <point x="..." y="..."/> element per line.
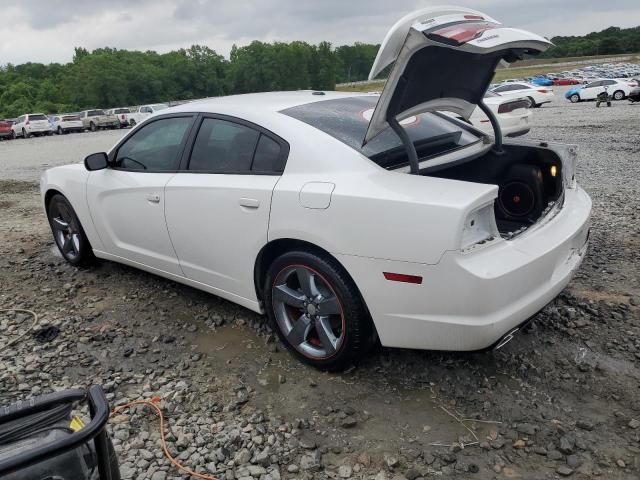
<point x="249" y="202"/>
<point x="153" y="198"/>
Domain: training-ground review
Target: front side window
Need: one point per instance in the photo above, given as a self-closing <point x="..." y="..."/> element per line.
<point x="223" y="146"/>
<point x="155" y="146"/>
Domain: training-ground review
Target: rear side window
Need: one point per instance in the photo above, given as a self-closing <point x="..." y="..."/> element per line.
<point x="347" y="119"/>
<point x="268" y="156"/>
<point x="155" y="146"/>
<point x="224" y="147"/>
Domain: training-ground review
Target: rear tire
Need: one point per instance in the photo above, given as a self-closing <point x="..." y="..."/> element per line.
<point x="532" y="102"/>
<point x="300" y="286"/>
<point x="25" y="134"/>
<point x="68" y="232"/>
<point x="92" y="127"/>
<point x="13" y="135"/>
<point x="618" y="95"/>
<point x="60" y="131"/>
<point x="132" y="122"/>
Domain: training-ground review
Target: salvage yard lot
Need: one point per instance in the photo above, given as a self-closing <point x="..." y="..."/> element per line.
<point x="563" y="399"/>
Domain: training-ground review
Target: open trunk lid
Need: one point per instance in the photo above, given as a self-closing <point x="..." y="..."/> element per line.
<point x="444" y="59"/>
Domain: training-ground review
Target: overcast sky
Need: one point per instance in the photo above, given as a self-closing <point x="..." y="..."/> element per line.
<point x="47" y="30"/>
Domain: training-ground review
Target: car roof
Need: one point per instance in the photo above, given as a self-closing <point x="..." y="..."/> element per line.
<point x="265" y="101"/>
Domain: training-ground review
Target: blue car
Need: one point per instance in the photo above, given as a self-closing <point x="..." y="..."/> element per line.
<point x="573" y="94"/>
<point x="541" y="81"/>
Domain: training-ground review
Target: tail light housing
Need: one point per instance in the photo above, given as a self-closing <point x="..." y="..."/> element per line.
<point x="543" y="90"/>
<point x="509" y="107"/>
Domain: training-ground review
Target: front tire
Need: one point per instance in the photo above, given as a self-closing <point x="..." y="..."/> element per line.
<point x="92" y="127"/>
<point x="575" y="98"/>
<point x="68" y="232"/>
<point x="532" y="102"/>
<point x="25" y="134"/>
<point x="618" y="95"/>
<point x="316" y="310"/>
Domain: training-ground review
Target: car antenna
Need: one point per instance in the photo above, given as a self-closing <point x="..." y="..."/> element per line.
<point x="414" y="164"/>
<point x="497" y="131"/>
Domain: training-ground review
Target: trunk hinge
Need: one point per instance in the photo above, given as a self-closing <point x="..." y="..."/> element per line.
<point x="414" y="164"/>
<point x="497" y="131"/>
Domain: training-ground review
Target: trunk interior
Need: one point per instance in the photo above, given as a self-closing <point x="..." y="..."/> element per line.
<point x="529" y="181"/>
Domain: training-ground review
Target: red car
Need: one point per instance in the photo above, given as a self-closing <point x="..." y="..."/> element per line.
<point x="565" y="81"/>
<point x="5" y="129"/>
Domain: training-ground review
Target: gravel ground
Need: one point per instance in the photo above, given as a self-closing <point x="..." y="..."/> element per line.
<point x="562" y="400"/>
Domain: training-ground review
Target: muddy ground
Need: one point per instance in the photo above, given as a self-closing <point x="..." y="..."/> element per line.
<point x="561" y="400"/>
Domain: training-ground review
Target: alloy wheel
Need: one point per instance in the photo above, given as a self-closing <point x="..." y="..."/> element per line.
<point x="308" y="312"/>
<point x="65" y="230"/>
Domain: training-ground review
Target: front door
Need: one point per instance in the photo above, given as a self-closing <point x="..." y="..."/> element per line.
<point x="218" y="206"/>
<point x="127" y="200"/>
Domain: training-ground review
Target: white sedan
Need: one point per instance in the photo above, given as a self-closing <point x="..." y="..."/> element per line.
<point x="513" y="114"/>
<point x="537" y="95"/>
<point x="345" y="218"/>
<point x="618" y="89"/>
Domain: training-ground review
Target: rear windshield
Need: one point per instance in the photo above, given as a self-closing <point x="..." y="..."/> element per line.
<point x="121" y="110"/>
<point x="70" y="118"/>
<point x="95" y="113"/>
<point x="347" y="120"/>
<point x="37" y="117"/>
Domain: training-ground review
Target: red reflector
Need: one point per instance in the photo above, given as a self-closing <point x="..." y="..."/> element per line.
<point x="401" y="277"/>
<point x="473" y="17"/>
<point x="543" y="90"/>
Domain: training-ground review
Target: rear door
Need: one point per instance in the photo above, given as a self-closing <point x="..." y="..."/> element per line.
<point x="443" y="59"/>
<point x="127" y="200"/>
<point x="218" y="205"/>
<point x="591" y="90"/>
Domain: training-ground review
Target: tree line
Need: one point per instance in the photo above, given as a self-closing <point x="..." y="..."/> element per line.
<point x="108" y="77"/>
<point x="611" y="41"/>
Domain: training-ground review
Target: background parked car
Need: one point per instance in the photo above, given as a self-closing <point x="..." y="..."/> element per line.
<point x="618" y="89"/>
<point x="97" y="119"/>
<point x="145" y="111"/>
<point x="634" y="96"/>
<point x="31" y="124"/>
<point x="66" y="123"/>
<point x="122" y="113"/>
<point x="536" y="95"/>
<point x="541" y="81"/>
<point x="513" y="114"/>
<point x="5" y="129"/>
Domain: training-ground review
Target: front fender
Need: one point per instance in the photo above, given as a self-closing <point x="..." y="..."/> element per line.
<point x="71" y="181"/>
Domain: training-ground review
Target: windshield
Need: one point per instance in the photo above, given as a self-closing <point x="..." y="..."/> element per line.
<point x="121" y="110"/>
<point x="95" y="113"/>
<point x="159" y="106"/>
<point x="347" y="119"/>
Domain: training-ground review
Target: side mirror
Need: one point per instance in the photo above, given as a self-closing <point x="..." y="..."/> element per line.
<point x="96" y="161"/>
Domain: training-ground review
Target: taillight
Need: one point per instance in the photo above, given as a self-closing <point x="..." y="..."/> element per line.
<point x="543" y="90"/>
<point x="515" y="105"/>
<point x="462" y="33"/>
<point x="27" y="122"/>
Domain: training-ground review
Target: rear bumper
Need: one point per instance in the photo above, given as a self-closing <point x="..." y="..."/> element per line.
<point x="468" y="301"/>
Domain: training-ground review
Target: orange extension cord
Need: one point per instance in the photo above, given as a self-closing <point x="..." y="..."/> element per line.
<point x="153" y="403"/>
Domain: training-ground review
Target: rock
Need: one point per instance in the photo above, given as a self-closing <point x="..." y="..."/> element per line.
<point x="412" y="474"/>
<point x="526" y="428"/>
<point x="348" y="422"/>
<point x="567" y="444"/>
<point x="293" y="468"/>
<point x="345" y="471"/>
<point x="633" y="423"/>
<point x="309" y="462"/>
<point x="382" y="475"/>
<point x="554" y="455"/>
<point x="564" y="470"/>
<point x="574" y="461"/>
<point x="584" y="425"/>
<point x="519" y="444"/>
<point x="391" y="460"/>
<point x="159" y="475"/>
<point x="364" y="458"/>
<point x="621" y="463"/>
<point x="242" y="457"/>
